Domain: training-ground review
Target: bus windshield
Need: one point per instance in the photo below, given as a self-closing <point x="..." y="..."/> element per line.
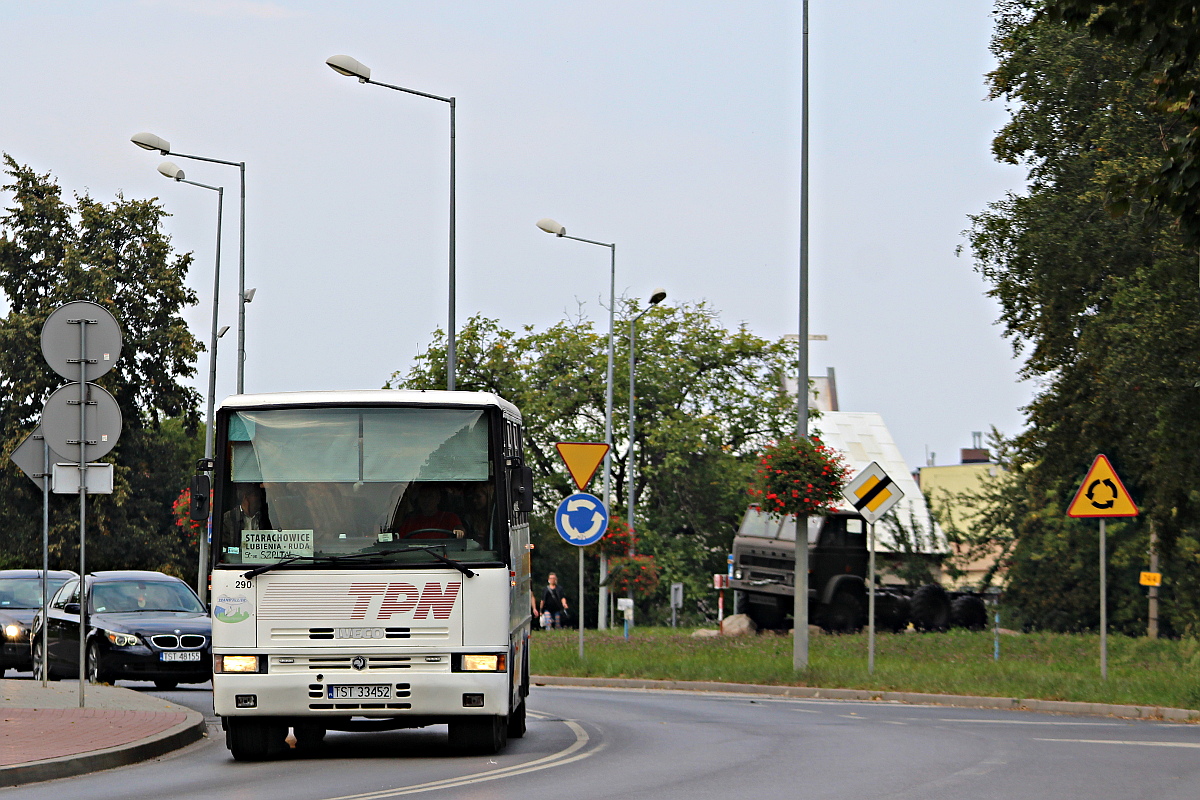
<point x="324" y="483"/>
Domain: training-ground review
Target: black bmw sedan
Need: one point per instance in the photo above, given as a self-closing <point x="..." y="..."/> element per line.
<point x="20" y="599"/>
<point x="141" y="626"/>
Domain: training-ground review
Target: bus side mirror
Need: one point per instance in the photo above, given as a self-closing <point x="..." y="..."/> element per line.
<point x="199" y="507"/>
<point x="524" y="489"/>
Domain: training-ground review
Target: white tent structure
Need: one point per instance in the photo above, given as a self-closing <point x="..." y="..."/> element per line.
<point x="862" y="437"/>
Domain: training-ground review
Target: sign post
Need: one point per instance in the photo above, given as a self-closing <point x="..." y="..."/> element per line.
<point x="581" y="519"/>
<point x="1100" y="496"/>
<point x="872" y="493"/>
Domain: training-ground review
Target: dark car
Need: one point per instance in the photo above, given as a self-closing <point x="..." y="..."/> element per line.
<point x="142" y="626"/>
<point x="20" y="599"/>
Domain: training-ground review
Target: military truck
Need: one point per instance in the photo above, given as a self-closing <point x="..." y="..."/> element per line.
<point x="764" y="553"/>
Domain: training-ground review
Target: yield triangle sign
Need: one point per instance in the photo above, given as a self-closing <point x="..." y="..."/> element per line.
<point x="1102" y="494"/>
<point x="582" y="460"/>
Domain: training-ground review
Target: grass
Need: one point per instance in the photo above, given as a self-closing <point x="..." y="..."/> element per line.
<point x="1045" y="666"/>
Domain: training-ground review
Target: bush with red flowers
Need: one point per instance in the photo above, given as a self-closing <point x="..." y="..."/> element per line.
<point x="799" y="476"/>
<point x="181" y="508"/>
<point x="619" y="538"/>
<point x="639" y="572"/>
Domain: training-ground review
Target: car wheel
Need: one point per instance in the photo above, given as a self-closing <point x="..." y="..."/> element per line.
<point x="94" y="673"/>
<point x="255" y="739"/>
<point x="479" y="735"/>
<point x="166" y="686"/>
<point x="39" y="662"/>
<point x="516" y="722"/>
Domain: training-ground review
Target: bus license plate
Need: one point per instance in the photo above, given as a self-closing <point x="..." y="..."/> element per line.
<point x="186" y="655"/>
<point x="360" y="691"/>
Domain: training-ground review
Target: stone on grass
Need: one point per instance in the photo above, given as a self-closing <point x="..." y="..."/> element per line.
<point x="705" y="633"/>
<point x="738" y="625"/>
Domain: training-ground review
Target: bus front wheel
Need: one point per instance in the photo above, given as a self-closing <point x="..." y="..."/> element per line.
<point x="255" y="738"/>
<point x="479" y="735"/>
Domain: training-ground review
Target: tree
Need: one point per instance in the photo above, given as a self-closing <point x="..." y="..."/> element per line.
<point x="1165" y="35"/>
<point x="708" y="399"/>
<point x="114" y="254"/>
<point x="1105" y="310"/>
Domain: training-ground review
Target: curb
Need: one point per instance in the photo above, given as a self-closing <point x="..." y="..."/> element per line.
<point x="812" y="692"/>
<point x="190" y="730"/>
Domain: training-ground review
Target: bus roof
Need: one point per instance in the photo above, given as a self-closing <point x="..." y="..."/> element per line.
<point x="371" y="397"/>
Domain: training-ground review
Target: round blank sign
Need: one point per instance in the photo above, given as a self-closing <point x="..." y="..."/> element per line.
<point x="60" y="421"/>
<point x="61" y="340"/>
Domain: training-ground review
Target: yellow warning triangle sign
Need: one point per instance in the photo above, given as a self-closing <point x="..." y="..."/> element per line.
<point x="1102" y="494"/>
<point x="582" y="460"/>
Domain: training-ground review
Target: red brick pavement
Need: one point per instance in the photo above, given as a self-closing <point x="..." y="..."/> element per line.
<point x="34" y="734"/>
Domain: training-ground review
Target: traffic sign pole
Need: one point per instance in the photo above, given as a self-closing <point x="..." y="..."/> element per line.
<point x="83" y="459"/>
<point x="1103" y="605"/>
<point x="45" y="561"/>
<point x="871" y="601"/>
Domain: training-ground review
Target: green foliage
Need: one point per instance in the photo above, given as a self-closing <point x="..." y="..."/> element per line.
<point x="1165" y="35"/>
<point x="1046" y="666"/>
<point x="799" y="477"/>
<point x="708" y="399"/>
<point x="1105" y="310"/>
<point x="114" y="254"/>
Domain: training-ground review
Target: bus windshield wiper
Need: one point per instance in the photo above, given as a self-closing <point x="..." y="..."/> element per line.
<point x="357" y="556"/>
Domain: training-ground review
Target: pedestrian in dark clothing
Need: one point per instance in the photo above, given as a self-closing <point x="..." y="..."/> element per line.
<point x="554" y="603"/>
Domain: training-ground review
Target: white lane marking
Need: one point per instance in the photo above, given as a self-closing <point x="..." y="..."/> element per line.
<point x="807" y="711"/>
<point x="894" y="722"/>
<point x="1119" y="741"/>
<point x="567" y="755"/>
<point x="1032" y="722"/>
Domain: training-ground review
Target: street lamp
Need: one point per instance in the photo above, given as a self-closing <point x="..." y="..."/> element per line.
<point x="345" y="65"/>
<point x="552" y="227"/>
<point x="656" y="298"/>
<point x="148" y="141"/>
<point x="173" y="172"/>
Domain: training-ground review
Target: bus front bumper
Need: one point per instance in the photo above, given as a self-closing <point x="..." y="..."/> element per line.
<point x="433" y="695"/>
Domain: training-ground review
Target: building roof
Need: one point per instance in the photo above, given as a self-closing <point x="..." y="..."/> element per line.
<point x="862" y="437"/>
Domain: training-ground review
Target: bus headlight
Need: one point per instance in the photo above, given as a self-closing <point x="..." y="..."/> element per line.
<point x="240" y="664"/>
<point x="481" y="663"/>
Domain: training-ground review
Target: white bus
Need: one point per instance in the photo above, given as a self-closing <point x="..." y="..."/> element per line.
<point x="370" y="567"/>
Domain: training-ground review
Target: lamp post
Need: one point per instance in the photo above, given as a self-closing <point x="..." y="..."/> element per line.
<point x="345" y="65"/>
<point x="657" y="297"/>
<point x="800" y="587"/>
<point x="552" y="227"/>
<point x="148" y="141"/>
<point x="173" y="172"/>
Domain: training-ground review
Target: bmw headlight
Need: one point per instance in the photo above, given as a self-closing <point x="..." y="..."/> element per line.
<point x="121" y="639"/>
<point x="13" y="631"/>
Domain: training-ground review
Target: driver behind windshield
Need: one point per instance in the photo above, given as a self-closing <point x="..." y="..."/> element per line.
<point x="428" y="520"/>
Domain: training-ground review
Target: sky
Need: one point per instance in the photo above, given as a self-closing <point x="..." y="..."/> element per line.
<point x="671" y="128"/>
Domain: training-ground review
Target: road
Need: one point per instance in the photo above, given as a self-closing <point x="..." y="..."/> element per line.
<point x="589" y="743"/>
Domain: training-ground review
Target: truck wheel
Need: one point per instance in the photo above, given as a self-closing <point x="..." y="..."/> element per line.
<point x="255" y="738"/>
<point x="891" y="612"/>
<point x="479" y="735"/>
<point x="844" y="613"/>
<point x="309" y="737"/>
<point x="516" y="722"/>
<point x="968" y="612"/>
<point x="931" y="608"/>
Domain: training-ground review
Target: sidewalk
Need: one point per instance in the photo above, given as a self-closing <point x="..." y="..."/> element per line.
<point x="44" y="734"/>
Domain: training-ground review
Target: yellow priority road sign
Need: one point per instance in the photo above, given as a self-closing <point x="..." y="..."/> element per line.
<point x="582" y="460"/>
<point x="1102" y="494"/>
<point x="1150" y="579"/>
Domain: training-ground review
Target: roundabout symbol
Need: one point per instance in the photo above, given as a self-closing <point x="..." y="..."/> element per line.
<point x="581" y="519"/>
